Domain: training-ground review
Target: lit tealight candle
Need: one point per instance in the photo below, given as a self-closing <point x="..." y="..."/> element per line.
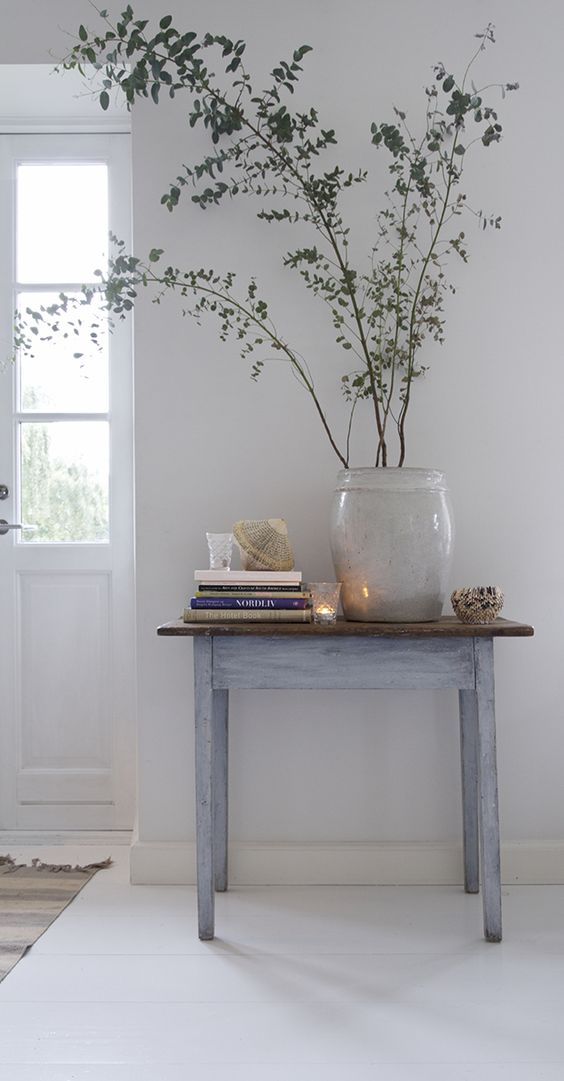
<point x="325" y="598"/>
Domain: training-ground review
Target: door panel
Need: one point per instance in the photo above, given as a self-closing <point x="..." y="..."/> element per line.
<point x="54" y="694"/>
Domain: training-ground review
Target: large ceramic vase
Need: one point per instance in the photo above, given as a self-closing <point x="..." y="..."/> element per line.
<point x="392" y="537"/>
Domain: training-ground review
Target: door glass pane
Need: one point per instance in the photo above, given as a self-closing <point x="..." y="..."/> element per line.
<point x="64" y="481"/>
<point x="56" y="379"/>
<point x="62" y="221"/>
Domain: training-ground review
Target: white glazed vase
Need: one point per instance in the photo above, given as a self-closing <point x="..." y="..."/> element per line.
<point x="392" y="536"/>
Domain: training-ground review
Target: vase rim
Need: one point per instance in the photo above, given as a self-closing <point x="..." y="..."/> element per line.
<point x="401" y="478"/>
<point x="390" y="469"/>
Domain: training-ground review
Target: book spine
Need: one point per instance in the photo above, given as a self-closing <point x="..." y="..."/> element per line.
<point x="192" y="615"/>
<point x="247" y="603"/>
<point x="207" y="587"/>
<point x="284" y="595"/>
<point x="218" y="578"/>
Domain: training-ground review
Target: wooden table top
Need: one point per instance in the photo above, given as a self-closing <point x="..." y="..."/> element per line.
<point x="446" y="627"/>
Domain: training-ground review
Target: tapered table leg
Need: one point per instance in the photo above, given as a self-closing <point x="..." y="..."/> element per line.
<point x="204" y="784"/>
<point x="489" y="813"/>
<point x="220" y="785"/>
<point x="468" y="705"/>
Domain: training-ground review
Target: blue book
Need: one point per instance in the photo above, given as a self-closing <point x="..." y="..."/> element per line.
<point x="249" y="603"/>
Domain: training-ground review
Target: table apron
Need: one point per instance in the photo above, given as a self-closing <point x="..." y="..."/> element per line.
<point x="337" y="663"/>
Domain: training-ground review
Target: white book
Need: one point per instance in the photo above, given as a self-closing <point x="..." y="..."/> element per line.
<point x="239" y="578"/>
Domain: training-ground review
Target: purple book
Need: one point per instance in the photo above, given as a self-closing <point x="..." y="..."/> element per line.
<point x="249" y="602"/>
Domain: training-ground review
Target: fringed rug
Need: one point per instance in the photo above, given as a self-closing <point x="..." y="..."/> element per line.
<point x="31" y="898"/>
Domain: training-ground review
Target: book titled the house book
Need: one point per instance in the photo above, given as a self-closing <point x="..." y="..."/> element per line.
<point x="253" y="596"/>
<point x="226" y="615"/>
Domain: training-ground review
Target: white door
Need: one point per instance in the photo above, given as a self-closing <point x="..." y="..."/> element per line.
<point x="66" y="583"/>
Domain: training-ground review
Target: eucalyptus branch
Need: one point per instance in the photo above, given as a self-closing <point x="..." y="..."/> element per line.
<point x="381" y="446"/>
<point x="257" y="317"/>
<point x="484" y="36"/>
<point x="349" y="428"/>
<point x="120" y="289"/>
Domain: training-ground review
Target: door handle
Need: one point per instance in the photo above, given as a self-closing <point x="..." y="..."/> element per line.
<point x="6" y="526"/>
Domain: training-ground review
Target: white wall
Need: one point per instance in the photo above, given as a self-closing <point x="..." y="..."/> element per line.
<point x="212" y="447"/>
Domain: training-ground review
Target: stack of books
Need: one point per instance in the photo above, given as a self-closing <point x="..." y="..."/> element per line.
<point x="249" y="596"/>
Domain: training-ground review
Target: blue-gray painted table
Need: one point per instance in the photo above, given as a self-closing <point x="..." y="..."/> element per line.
<point x="350" y="656"/>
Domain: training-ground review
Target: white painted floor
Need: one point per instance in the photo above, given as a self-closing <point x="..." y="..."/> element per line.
<point x="303" y="984"/>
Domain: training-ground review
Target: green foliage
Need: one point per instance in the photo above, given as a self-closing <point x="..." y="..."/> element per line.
<point x="382" y="311"/>
<point x="63" y="501"/>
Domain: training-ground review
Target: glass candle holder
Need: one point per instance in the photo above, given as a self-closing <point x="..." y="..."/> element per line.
<point x="220" y="547"/>
<point x="325" y="601"/>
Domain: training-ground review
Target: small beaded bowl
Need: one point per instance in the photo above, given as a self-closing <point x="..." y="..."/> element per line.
<point x="477" y="604"/>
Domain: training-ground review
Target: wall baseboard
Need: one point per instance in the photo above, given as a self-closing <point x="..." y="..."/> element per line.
<point x="382" y="864"/>
<point x="64" y="837"/>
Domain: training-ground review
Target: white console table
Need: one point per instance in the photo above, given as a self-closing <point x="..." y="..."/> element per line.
<point x="351" y="656"/>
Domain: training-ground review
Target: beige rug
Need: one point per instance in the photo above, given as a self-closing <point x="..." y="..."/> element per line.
<point x="31" y="898"/>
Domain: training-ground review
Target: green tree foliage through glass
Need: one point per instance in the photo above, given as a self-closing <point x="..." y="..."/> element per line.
<point x="64" y="500"/>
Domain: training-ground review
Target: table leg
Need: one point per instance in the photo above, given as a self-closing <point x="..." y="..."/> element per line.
<point x="204" y="726"/>
<point x="220" y="786"/>
<point x="468" y="707"/>
<point x="489" y="814"/>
